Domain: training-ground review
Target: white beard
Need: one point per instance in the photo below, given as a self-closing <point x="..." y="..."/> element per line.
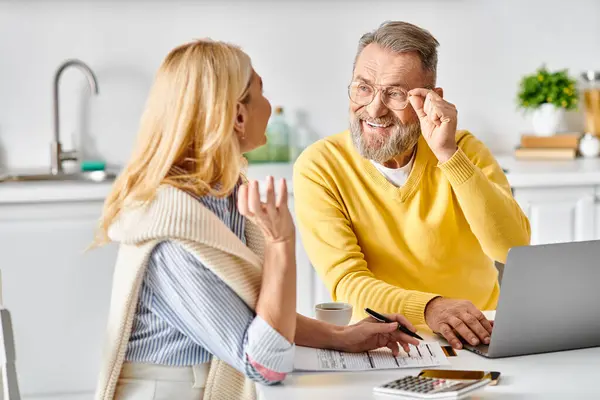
<point x="402" y="139"/>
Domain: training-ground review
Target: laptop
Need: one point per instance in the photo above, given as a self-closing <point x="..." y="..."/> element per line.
<point x="549" y="301"/>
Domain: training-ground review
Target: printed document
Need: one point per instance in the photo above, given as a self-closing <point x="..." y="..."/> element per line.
<point x="426" y="354"/>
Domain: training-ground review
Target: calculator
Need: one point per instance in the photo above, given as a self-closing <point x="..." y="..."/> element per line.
<point x="420" y="387"/>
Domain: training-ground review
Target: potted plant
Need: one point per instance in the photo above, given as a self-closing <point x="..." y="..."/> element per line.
<point x="548" y="95"/>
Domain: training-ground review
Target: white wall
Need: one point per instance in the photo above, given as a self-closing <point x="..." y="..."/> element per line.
<point x="303" y="50"/>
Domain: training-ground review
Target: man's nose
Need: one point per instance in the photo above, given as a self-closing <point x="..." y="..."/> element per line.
<point x="377" y="109"/>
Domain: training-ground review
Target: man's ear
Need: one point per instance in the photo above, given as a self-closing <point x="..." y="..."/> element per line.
<point x="439" y="91"/>
<point x="241" y="119"/>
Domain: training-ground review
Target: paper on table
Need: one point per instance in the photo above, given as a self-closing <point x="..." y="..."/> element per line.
<point x="490" y="314"/>
<point x="427" y="354"/>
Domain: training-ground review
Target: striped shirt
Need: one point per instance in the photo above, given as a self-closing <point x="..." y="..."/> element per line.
<point x="185" y="313"/>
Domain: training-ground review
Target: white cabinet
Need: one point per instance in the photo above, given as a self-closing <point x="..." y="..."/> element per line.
<point x="309" y="289"/>
<point x="597" y="220"/>
<point x="561" y="198"/>
<point x="560" y="214"/>
<point x="57" y="293"/>
<point x="304" y="272"/>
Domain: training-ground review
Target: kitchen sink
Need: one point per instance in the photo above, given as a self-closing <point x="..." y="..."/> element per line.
<point x="87" y="176"/>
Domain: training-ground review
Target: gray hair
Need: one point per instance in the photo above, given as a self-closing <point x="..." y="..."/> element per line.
<point x="403" y="37"/>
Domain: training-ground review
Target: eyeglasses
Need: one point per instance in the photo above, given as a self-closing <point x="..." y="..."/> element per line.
<point x="395" y="98"/>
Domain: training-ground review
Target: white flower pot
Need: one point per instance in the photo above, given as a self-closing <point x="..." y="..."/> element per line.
<point x="548" y="120"/>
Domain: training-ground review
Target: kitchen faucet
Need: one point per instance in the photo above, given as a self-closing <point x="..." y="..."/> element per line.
<point x="59" y="155"/>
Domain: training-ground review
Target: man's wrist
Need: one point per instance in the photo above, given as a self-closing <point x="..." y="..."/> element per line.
<point x="430" y="302"/>
<point x="444" y="155"/>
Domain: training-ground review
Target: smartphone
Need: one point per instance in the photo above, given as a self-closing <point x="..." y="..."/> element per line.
<point x="494" y="376"/>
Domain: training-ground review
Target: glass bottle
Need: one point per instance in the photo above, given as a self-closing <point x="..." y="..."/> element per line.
<point x="258" y="155"/>
<point x="591" y="101"/>
<point x="278" y="137"/>
<point x="302" y="136"/>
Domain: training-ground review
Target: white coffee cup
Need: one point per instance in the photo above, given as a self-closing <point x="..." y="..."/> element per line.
<point x="334" y="313"/>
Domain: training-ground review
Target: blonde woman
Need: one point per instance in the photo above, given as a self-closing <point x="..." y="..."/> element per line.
<point x="203" y="300"/>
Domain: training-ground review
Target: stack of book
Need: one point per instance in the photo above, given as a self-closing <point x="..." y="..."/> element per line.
<point x="558" y="147"/>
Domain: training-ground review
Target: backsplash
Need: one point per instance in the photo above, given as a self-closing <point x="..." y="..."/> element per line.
<point x="303" y="49"/>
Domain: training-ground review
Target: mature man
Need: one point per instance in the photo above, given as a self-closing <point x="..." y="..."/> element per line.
<point x="403" y="213"/>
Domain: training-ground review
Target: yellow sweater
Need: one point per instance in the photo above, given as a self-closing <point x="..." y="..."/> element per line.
<point x="394" y="249"/>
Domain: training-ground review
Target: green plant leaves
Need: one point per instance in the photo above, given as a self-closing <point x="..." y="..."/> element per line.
<point x="557" y="88"/>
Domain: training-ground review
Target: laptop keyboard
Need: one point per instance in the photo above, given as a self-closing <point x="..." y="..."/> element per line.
<point x="480" y="348"/>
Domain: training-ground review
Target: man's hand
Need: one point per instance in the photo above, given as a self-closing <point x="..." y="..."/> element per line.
<point x="369" y="334"/>
<point x="438" y="120"/>
<point x="447" y="316"/>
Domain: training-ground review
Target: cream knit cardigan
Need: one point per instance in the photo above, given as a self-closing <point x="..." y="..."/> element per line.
<point x="175" y="215"/>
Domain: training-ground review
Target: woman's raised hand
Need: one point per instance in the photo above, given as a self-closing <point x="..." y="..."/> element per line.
<point x="273" y="217"/>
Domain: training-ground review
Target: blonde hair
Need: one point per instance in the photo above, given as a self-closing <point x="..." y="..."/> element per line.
<point x="186" y="137"/>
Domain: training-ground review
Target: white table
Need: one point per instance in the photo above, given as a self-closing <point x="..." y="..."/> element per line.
<point x="571" y="374"/>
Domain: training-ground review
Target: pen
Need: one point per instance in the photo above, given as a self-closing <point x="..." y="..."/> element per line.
<point x="382" y="318"/>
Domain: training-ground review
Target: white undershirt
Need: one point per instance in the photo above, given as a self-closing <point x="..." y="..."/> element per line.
<point x="396" y="176"/>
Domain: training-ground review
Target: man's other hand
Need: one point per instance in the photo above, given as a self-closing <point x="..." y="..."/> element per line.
<point x="450" y="317"/>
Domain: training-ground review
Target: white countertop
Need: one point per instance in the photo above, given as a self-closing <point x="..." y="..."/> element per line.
<point x="62" y="191"/>
<point x="44" y="192"/>
<point x="559" y="375"/>
<point x="519" y="173"/>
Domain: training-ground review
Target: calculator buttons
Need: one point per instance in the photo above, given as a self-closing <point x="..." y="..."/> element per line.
<point x="421" y="387"/>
